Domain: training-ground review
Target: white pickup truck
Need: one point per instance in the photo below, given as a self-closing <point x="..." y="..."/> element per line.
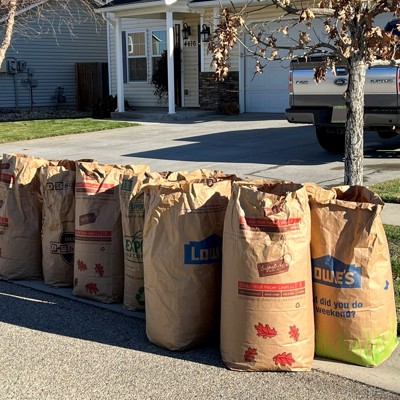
<point x="322" y="104"/>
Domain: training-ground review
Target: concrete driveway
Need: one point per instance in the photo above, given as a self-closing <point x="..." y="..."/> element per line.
<point x="248" y="145"/>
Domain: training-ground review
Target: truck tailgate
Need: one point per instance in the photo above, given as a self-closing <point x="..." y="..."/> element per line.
<point x="381" y="87"/>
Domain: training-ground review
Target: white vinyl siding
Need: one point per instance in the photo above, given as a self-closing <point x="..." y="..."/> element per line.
<point x="190" y="62"/>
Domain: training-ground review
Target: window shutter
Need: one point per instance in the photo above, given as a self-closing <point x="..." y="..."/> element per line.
<point x="124" y="57"/>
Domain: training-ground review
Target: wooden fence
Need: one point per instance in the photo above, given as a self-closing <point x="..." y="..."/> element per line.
<point x="91" y="85"/>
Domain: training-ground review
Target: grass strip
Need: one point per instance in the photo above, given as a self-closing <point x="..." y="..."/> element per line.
<point x="389" y="191"/>
<point x="393" y="237"/>
<point x="35" y="129"/>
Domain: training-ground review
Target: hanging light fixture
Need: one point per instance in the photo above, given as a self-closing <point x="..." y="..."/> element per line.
<point x="186" y="31"/>
<point x="205" y="33"/>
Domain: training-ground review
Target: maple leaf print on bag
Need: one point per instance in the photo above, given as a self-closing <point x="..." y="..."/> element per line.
<point x="265" y="331"/>
<point x="294" y="332"/>
<point x="284" y="359"/>
<point x="81" y="265"/>
<point x="91" y="288"/>
<point x="99" y="269"/>
<point x="250" y="354"/>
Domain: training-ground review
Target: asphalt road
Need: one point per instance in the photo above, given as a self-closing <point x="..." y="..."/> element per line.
<point x="248" y="145"/>
<point x="56" y="348"/>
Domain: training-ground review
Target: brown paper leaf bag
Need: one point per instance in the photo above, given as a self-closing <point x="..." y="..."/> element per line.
<point x="182" y="260"/>
<point x="132" y="211"/>
<point x="57" y="186"/>
<point x="266" y="305"/>
<point x="20" y="217"/>
<point x="99" y="257"/>
<point x="355" y="315"/>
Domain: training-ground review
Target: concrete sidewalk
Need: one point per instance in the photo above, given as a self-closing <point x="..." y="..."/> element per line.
<point x="391" y="214"/>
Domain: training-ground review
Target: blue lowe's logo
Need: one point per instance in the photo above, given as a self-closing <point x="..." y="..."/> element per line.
<point x="207" y="251"/>
<point x="330" y="271"/>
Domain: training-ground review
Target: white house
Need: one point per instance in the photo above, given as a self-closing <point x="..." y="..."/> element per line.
<point x="142" y="29"/>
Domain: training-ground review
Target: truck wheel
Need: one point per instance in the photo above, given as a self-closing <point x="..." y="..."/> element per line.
<point x="330" y="140"/>
<point x="387" y="134"/>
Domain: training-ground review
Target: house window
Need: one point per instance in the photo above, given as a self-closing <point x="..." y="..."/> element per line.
<point x="158" y="46"/>
<point x="137" y="57"/>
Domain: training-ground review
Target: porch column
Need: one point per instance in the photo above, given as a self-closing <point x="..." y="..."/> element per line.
<point x="119" y="67"/>
<point x="170" y="58"/>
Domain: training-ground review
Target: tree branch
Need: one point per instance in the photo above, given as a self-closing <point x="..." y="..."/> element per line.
<point x="12" y="9"/>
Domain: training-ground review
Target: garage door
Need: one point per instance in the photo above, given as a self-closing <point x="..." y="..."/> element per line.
<point x="266" y="92"/>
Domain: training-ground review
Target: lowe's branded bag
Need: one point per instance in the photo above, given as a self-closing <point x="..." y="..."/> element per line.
<point x="355" y="315"/>
<point x="182" y="246"/>
<point x="57" y="186"/>
<point x="99" y="257"/>
<point x="20" y="217"/>
<point x="266" y="304"/>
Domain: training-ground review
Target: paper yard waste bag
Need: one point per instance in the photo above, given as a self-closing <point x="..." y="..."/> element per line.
<point x="99" y="257"/>
<point x="132" y="211"/>
<point x="182" y="261"/>
<point x="266" y="304"/>
<point x="57" y="187"/>
<point x="20" y="217"/>
<point x="355" y="316"/>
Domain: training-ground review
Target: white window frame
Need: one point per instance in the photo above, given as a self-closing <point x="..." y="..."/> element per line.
<point x="128" y="57"/>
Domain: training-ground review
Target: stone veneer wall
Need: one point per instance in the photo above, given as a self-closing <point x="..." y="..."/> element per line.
<point x="212" y="94"/>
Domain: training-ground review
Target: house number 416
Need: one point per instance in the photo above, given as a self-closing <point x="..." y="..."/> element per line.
<point x="189" y="43"/>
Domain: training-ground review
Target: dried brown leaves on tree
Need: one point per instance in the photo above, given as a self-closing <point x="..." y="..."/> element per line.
<point x="349" y="28"/>
<point x="351" y="39"/>
<point x="223" y="39"/>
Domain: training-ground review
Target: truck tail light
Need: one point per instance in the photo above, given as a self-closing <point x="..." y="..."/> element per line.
<point x="291" y="82"/>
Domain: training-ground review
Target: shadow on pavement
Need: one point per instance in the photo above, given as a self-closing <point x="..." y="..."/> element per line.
<point x="264" y="146"/>
<point x="44" y="312"/>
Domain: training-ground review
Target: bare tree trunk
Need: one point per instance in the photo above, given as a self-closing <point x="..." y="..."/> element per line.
<point x="11" y="11"/>
<point x="354" y="140"/>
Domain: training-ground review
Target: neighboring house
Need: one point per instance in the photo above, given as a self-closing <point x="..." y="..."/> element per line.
<point x="39" y="68"/>
<point x="139" y="34"/>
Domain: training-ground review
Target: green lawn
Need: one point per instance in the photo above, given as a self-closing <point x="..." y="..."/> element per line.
<point x="393" y="236"/>
<point x="389" y="191"/>
<point x="35" y="129"/>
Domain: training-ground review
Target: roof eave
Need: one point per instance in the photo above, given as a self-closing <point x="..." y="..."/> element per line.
<point x="215" y="3"/>
<point x="141" y="6"/>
